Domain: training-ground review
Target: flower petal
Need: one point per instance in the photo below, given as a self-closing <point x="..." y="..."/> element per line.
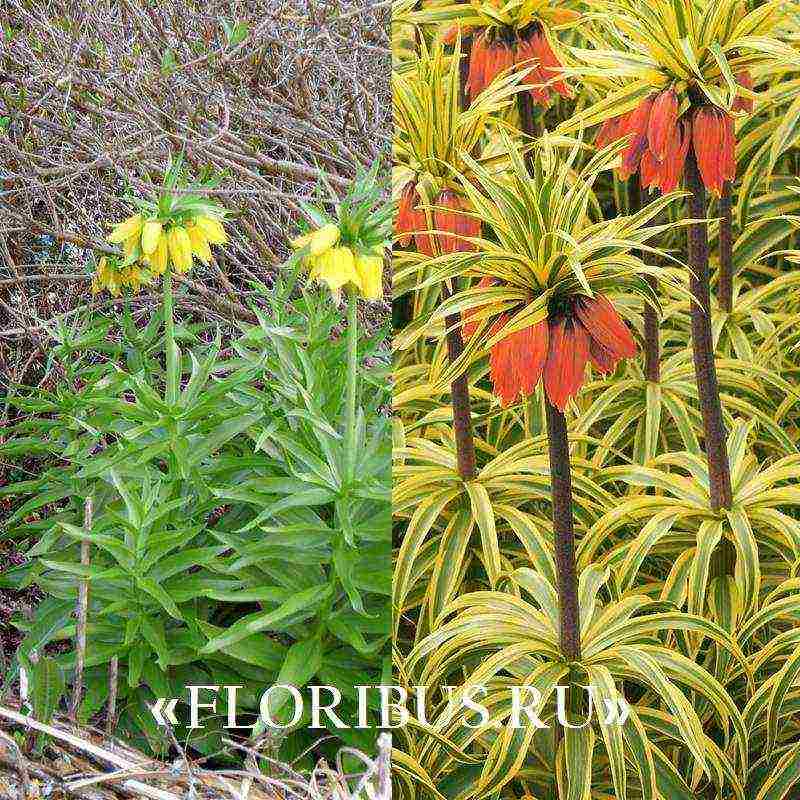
<point x="672" y="166"/>
<point x="516" y="361"/>
<point x="636" y="125"/>
<point x="567" y="356"/>
<point x="602" y="322"/>
<point x="713" y="142"/>
<point x="663" y="119"/>
<point x="454" y="221"/>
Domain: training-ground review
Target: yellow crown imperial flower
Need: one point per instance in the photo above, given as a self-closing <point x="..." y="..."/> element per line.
<point x="212" y="229"/>
<point x="318" y="241"/>
<point x="180" y="248"/>
<point x="336" y="268"/>
<point x="130" y="245"/>
<point x="199" y="243"/>
<point x="369" y="267"/>
<point x="151" y="234"/>
<point x="127" y="229"/>
<point x="112" y="277"/>
<point x="160" y="257"/>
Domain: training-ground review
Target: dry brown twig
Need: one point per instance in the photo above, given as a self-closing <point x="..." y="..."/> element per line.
<point x="110" y="769"/>
<point x="99" y="93"/>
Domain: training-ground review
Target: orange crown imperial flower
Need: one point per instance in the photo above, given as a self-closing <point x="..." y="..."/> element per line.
<point x="579" y="330"/>
<point x="494" y="52"/>
<point x="449" y="219"/>
<point x="660" y="141"/>
<point x="714" y="146"/>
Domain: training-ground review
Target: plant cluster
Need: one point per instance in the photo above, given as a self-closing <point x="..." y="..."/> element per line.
<point x="220" y="497"/>
<point x="596" y="452"/>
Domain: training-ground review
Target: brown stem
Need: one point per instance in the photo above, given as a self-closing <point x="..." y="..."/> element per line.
<point x="459" y="390"/>
<point x="725" y="288"/>
<point x="111" y="709"/>
<point x="563" y="534"/>
<point x="528" y="123"/>
<point x="463" y="71"/>
<point x="719" y="474"/>
<point x="82" y="615"/>
<point x="652" y="347"/>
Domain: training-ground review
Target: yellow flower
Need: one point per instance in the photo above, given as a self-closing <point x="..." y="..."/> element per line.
<point x="111" y="277"/>
<point x="319" y="240"/>
<point x="212" y="229"/>
<point x="335" y="267"/>
<point x="151" y="233"/>
<point x="180" y="248"/>
<point x="130" y="245"/>
<point x="158" y="260"/>
<point x="369" y="267"/>
<point x="130" y="227"/>
<point x="199" y="243"/>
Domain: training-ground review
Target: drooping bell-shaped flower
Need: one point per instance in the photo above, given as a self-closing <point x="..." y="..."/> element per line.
<point x="451" y="221"/>
<point x="662" y="123"/>
<point x="714" y="147"/>
<point x="452" y="218"/>
<point x="410" y="221"/>
<point x="534" y="50"/>
<point x="490" y="56"/>
<point x="660" y="140"/>
<point x="636" y="125"/>
<point x="581" y="330"/>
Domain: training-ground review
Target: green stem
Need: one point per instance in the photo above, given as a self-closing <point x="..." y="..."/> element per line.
<point x="352" y="377"/>
<point x="173" y="376"/>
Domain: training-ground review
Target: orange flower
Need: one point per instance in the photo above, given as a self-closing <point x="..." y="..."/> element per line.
<point x="662" y="123"/>
<point x="405" y="222"/>
<point x="741" y="103"/>
<point x="487" y="60"/>
<point x="454" y="222"/>
<point x="533" y="49"/>
<point x="517" y="361"/>
<point x="609" y="132"/>
<point x="714" y="147"/>
<point x="666" y="174"/>
<point x="584" y="329"/>
<point x="411" y="220"/>
<point x="636" y="124"/>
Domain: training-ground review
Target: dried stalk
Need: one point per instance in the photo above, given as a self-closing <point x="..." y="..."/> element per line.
<point x="111" y="708"/>
<point x="82" y="615"/>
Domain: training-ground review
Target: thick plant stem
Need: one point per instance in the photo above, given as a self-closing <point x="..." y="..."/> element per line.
<point x="652" y="347"/>
<point x="459" y="390"/>
<point x="563" y="534"/>
<point x="352" y="378"/>
<point x="463" y="72"/>
<point x="725" y="288"/>
<point x="703" y="345"/>
<point x="173" y="378"/>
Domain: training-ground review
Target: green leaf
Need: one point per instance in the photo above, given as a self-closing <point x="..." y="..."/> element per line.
<point x="301" y="606"/>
